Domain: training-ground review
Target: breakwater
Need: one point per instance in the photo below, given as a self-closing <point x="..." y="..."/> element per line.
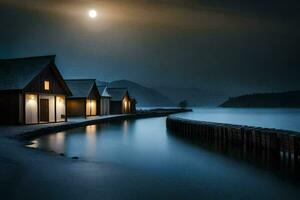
<point x="285" y="143"/>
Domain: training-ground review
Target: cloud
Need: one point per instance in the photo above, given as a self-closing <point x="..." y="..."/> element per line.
<point x="163" y="14"/>
<point x="195" y="43"/>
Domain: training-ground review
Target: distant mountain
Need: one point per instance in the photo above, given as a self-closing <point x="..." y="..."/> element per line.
<point x="193" y="96"/>
<point x="167" y="96"/>
<point x="289" y="99"/>
<point x="146" y="97"/>
<point x="101" y="83"/>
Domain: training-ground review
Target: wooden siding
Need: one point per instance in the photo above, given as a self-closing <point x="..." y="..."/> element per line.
<point x="116" y="107"/>
<point x="21" y="109"/>
<point x="9" y="107"/>
<point x="126" y="104"/>
<point x="132" y="105"/>
<point x="48" y="74"/>
<point x="94" y="94"/>
<point x="104" y="106"/>
<point x="75" y="107"/>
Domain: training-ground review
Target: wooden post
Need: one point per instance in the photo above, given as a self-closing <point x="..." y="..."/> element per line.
<point x="296" y="149"/>
<point x="55" y="114"/>
<point x="38" y="108"/>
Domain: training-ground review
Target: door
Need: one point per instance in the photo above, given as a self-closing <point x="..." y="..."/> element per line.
<point x="44" y="110"/>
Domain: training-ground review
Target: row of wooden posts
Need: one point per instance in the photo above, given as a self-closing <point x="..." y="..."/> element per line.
<point x="287" y="143"/>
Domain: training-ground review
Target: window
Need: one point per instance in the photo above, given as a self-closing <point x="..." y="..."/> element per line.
<point x="46" y="85"/>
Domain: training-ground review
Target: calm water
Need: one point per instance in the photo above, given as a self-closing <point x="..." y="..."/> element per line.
<point x="171" y="167"/>
<point x="288" y="119"/>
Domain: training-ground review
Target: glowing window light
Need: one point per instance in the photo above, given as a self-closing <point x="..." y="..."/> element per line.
<point x="47" y="85"/>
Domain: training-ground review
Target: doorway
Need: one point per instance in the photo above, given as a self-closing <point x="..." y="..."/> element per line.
<point x="44" y="110"/>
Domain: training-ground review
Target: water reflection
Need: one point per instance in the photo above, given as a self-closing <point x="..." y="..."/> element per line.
<point x="91" y="139"/>
<point x="52" y="142"/>
<point x="91" y="130"/>
<point x="125" y="127"/>
<point x="33" y="144"/>
<point x="178" y="165"/>
<point x="274" y="162"/>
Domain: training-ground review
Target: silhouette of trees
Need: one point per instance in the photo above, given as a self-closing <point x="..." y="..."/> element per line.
<point x="183" y="104"/>
<point x="289" y="99"/>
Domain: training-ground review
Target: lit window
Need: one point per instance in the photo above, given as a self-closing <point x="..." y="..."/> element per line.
<point x="46" y="85"/>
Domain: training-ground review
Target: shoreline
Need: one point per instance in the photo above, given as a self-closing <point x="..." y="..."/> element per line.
<point x="26" y="132"/>
<point x="28" y="173"/>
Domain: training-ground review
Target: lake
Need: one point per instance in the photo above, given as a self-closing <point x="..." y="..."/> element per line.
<point x="170" y="167"/>
<point x="287" y="119"/>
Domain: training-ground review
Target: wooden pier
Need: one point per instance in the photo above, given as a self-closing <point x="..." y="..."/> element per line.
<point x="285" y="143"/>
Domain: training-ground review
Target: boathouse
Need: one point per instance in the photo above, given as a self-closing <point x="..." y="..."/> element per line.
<point x="32" y="91"/>
<point x="104" y="108"/>
<point x="121" y="102"/>
<point x="85" y="99"/>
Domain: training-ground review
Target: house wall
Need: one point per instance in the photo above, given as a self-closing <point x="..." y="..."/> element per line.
<point x="105" y="106"/>
<point x="94" y="93"/>
<point x="126" y="105"/>
<point x="51" y="106"/>
<point x="9" y="108"/>
<point x="31" y="109"/>
<point x="37" y="84"/>
<point x="76" y="107"/>
<point x="132" y="106"/>
<point x="91" y="107"/>
<point x="60" y="109"/>
<point x="21" y="109"/>
<point x="93" y="102"/>
<point x="116" y="107"/>
<point x="16" y="108"/>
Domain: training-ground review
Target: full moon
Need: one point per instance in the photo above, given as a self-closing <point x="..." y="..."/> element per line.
<point x="92" y="13"/>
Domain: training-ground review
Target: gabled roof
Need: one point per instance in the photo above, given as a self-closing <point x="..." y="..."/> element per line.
<point x="117" y="94"/>
<point x="103" y="91"/>
<point x="80" y="88"/>
<point x="16" y="73"/>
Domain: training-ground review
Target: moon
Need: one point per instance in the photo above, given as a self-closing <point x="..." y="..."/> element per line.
<point x="92" y="13"/>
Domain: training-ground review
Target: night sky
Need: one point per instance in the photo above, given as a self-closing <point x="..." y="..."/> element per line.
<point x="235" y="46"/>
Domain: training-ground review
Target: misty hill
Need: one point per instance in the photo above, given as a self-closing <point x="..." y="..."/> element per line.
<point x="193" y="96"/>
<point x="146" y="97"/>
<point x="289" y="99"/>
<point x="101" y="83"/>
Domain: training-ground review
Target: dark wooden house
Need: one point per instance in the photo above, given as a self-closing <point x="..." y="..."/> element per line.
<point x="85" y="99"/>
<point x="104" y="108"/>
<point x="121" y="102"/>
<point x="32" y="91"/>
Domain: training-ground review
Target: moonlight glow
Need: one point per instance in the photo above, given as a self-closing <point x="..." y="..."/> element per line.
<point x="92" y="13"/>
